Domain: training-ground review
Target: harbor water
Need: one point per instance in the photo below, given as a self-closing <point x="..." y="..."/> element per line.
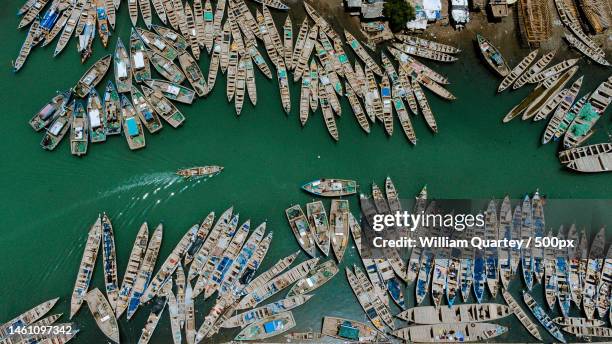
<point x="50" y="199"/>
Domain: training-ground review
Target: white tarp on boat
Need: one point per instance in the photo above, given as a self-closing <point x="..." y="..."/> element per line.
<point x="173" y="90"/>
<point x="121" y="70"/>
<point x="432" y="9"/>
<point x="139" y="60"/>
<point x="57" y="127"/>
<point x="94" y="118"/>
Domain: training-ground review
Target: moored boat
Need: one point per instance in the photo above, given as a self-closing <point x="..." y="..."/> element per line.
<point x="450" y="333"/>
<point x="147" y="114"/>
<point x="463" y="313"/>
<point x="428" y="44"/>
<point x="88" y="263"/>
<point x="112" y="110"/>
<point x="244" y="319"/>
<point x="301" y="229"/>
<point x="318" y="276"/>
<point x="331" y="187"/>
<point x="268" y="327"/>
<point x="521" y="316"/>
<point x="79" y="131"/>
<point x="166" y="68"/>
<point x="542" y="317"/>
<point x="592" y="158"/>
<point x="493" y="56"/>
<point x="122" y="68"/>
<point x="351" y="330"/>
<point x="50" y="111"/>
<point x="339" y="227"/>
<point x="517" y="71"/>
<point x="577" y="321"/>
<point x="163" y="107"/>
<point x="109" y="262"/>
<point x="593" y="274"/>
<point x="588" y="331"/>
<point x="139" y="59"/>
<point x="172" y="91"/>
<point x="58" y="128"/>
<point x="103" y="314"/>
<point x="425" y="53"/>
<point x="553" y="70"/>
<point x="159" y="304"/>
<point x="131" y="271"/>
<point x="559" y="118"/>
<point x="92" y="76"/>
<point x="96" y="117"/>
<point x="535" y="68"/>
<point x="372" y="306"/>
<point x="193" y="73"/>
<point x="132" y="127"/>
<point x="26" y="318"/>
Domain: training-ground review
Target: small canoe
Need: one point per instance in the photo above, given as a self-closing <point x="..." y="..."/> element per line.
<point x="492" y="55"/>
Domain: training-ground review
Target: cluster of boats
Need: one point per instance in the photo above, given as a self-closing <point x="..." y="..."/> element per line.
<point x="572" y="117"/>
<point x="374" y="92"/>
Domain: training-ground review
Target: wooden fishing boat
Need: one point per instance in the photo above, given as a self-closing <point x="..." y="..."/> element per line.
<point x="58" y="128"/>
<point x="372" y="101"/>
<point x="583" y="254"/>
<point x="594" y="108"/>
<point x="427" y="44"/>
<point x="283" y="85"/>
<point x="32" y="13"/>
<point x="517" y="71"/>
<point x="493" y="56"/>
<point x="562" y="278"/>
<point x="331" y="187"/>
<point x="58" y="26"/>
<point x="358" y="109"/>
<point x="166" y="291"/>
<point x="521" y="316"/>
<point x="191" y="31"/>
<point x="288" y="41"/>
<point x="570" y="19"/>
<point x="553" y="70"/>
<point x="145" y="271"/>
<point x="209" y="27"/>
<point x="230" y="254"/>
<point x="169" y="266"/>
<point x="172" y="91"/>
<point x="550" y="105"/>
<point x="179" y="12"/>
<point x="299" y="45"/>
<point x="326" y="90"/>
<point x="505" y="233"/>
<point x="351" y="330"/>
<point x="26" y="318"/>
<point x="51" y="111"/>
<point x="277" y="4"/>
<point x="92" y="77"/>
<point x="240" y="84"/>
<point x="577" y="321"/>
<point x="301" y="56"/>
<point x="157" y="44"/>
<point x="34" y="34"/>
<point x="245" y="20"/>
<point x="166" y="68"/>
<point x="464" y="313"/>
<point x="147" y="114"/>
<point x="133" y="10"/>
<point x="425" y="53"/>
<point x="480" y="273"/>
<point x="542" y="317"/>
<point x="132" y="127"/>
<point x="103" y="314"/>
<point x="277" y="284"/>
<point x="362" y="53"/>
<point x="163" y="107"/>
<point x="376" y="311"/>
<point x="392" y="283"/>
<point x="122" y="68"/>
<point x="87" y="34"/>
<point x="305" y="98"/>
<point x="588" y="331"/>
<point x="22" y="332"/>
<point x="319" y="224"/>
<point x="416" y="68"/>
<point x="424" y="106"/>
<point x="96" y="117"/>
<point x="238" y="265"/>
<point x="246" y="280"/>
<point x="218" y="16"/>
<point x="593" y="274"/>
<point x="550" y="282"/>
<point x="268" y="327"/>
<point x="304" y="336"/>
<point x="527" y="234"/>
<point x="535" y="69"/>
<point x="274" y="35"/>
<point x="466" y="274"/>
<point x="88" y="263"/>
<point x="439" y="277"/>
<point x="190" y="331"/>
<point x="145" y="11"/>
<point x="256" y="56"/>
<point x="562" y="111"/>
<point x="324" y="25"/>
<point x="159" y="304"/>
<point x="569" y="117"/>
<point x="172" y="37"/>
<point x="314" y="89"/>
<point x="327" y="62"/>
<point x="301" y="229"/>
<point x="517" y="218"/>
<point x="25" y="7"/>
<point x="450" y="333"/>
<point x="199" y="238"/>
<point x="193" y="73"/>
<point x="201" y="256"/>
<point x="573" y="256"/>
<point x="102" y="20"/>
<point x="225" y="235"/>
<point x="83" y="19"/>
<point x="531" y="104"/>
<point x="69" y="27"/>
<point x="109" y="261"/>
<point x="387" y="106"/>
<point x="79" y="133"/>
<point x="453" y="278"/>
<point x="491" y="253"/>
<point x="244" y="319"/>
<point x="592" y="158"/>
<point x="160" y="10"/>
<point x="215" y="61"/>
<point x="586" y="50"/>
<point x="134" y="261"/>
<point x="232" y="69"/>
<point x="339" y="228"/>
<point x="139" y="58"/>
<point x="320" y="275"/>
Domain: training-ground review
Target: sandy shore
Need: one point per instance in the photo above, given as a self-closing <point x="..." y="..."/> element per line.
<point x="505" y="31"/>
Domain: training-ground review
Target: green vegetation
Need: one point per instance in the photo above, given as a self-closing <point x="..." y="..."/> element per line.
<point x="399" y="12"/>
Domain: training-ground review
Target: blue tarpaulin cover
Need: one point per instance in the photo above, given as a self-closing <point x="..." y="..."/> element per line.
<point x="132" y="126"/>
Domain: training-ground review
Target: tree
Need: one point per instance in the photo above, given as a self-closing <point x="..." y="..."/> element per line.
<point x="399" y="13"/>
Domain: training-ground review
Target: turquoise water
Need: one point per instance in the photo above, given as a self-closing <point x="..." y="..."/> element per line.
<point x="51" y="198"/>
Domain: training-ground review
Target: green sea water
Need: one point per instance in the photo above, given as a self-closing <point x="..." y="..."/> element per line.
<point x="50" y="199"/>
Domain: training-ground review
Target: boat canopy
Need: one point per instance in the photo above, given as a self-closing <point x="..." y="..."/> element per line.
<point x="139" y="60"/>
<point x="94" y="118"/>
<point x="57" y="127"/>
<point x="132" y="127"/>
<point x="121" y="70"/>
<point x="348" y="331"/>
